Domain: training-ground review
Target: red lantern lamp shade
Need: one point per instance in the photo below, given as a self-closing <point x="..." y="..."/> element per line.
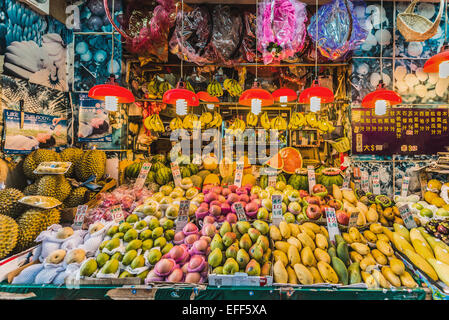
<point x="439" y="63"/>
<point x="315" y="96"/>
<point x="380" y="99"/>
<point x="284" y="95"/>
<point x="112" y="94"/>
<point x="181" y="98"/>
<point x="256" y="98"/>
<point x="206" y="97"/>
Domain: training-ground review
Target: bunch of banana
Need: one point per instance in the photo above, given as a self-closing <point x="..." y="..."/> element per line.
<point x="163" y="87"/>
<point x="189" y="120"/>
<point x="264" y="121"/>
<point x="297" y="120"/>
<point x="205" y="119"/>
<point x="154" y="123"/>
<point x="312" y="120"/>
<point x="216" y="121"/>
<point x="325" y="126"/>
<point x="189" y="86"/>
<point x="278" y="123"/>
<point x="237" y="127"/>
<point x="176" y="123"/>
<point x="153" y="88"/>
<point x="233" y="87"/>
<point x="214" y="89"/>
<point x="251" y="119"/>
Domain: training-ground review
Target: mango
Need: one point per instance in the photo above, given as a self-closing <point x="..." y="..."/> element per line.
<point x="242" y="258"/>
<point x="379" y="257"/>
<point x="346" y="237"/>
<point x="367" y="261"/>
<point x="340" y="269"/>
<point x="153" y="256"/>
<point x="291" y="275"/>
<point x="134" y="245"/>
<point x="295" y="242"/>
<point x="118" y="256"/>
<point x="332" y="252"/>
<point x="101" y="259"/>
<point x="342" y="253"/>
<point x="229" y="238"/>
<point x="315" y="228"/>
<point x="285" y="230"/>
<point x="324" y="232"/>
<point x="303" y="274"/>
<point x="321" y="241"/>
<point x="370" y="282"/>
<point x="112" y="230"/>
<point x="129" y="257"/>
<point x="253" y="234"/>
<point x="112" y="244"/>
<point x="262" y="226"/>
<point x="327" y="273"/>
<point x="322" y="255"/>
<point x="110" y="266"/>
<point x="169" y="235"/>
<point x="145" y="235"/>
<point x="88" y="268"/>
<point x="375" y="228"/>
<point x="216" y="243"/>
<point x="370" y="236"/>
<point x="354" y="273"/>
<point x="147" y="244"/>
<point x="341" y="238"/>
<point x="275" y="233"/>
<point x="243" y="226"/>
<point x="293" y="255"/>
<point x="403" y="231"/>
<point x="384" y="247"/>
<point x="256" y="252"/>
<point x="118" y="235"/>
<point x="383" y="237"/>
<point x="361" y="248"/>
<point x="306" y="241"/>
<point x="280" y="255"/>
<point x="215" y="258"/>
<point x="230" y="266"/>
<point x="125" y="274"/>
<point x="282" y="245"/>
<point x="132" y="218"/>
<point x="253" y="268"/>
<point x="294" y="229"/>
<point x="307" y="257"/>
<point x="153" y="224"/>
<point x="390" y="276"/>
<point x="263" y="242"/>
<point x="316" y="275"/>
<point x="218" y="270"/>
<point x="225" y="228"/>
<point x="130" y="235"/>
<point x="167" y="248"/>
<point x="280" y="273"/>
<point x="307" y="231"/>
<point x="266" y="269"/>
<point x="124" y="226"/>
<point x="380" y="279"/>
<point x="407" y="280"/>
<point x="397" y="266"/>
<point x="231" y="251"/>
<point x="138" y="262"/>
<point x="355" y="256"/>
<point x="354" y="234"/>
<point x="245" y="242"/>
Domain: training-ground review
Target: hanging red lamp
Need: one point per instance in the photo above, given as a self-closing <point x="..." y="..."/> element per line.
<point x="315" y="96"/>
<point x="181" y="98"/>
<point x="439" y="63"/>
<point x="206" y="97"/>
<point x="284" y="95"/>
<point x="380" y="99"/>
<point x="256" y="98"/>
<point x="111" y="93"/>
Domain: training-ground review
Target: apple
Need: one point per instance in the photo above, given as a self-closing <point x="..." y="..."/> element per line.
<point x="426" y="213"/>
<point x="313" y="212"/>
<point x="342" y="217"/>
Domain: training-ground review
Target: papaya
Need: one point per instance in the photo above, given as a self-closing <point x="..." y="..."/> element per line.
<point x="340" y="268"/>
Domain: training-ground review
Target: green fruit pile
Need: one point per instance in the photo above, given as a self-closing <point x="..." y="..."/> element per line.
<point x="132" y="244"/>
<point x="241" y="247"/>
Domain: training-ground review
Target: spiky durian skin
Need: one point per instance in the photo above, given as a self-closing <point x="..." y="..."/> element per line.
<point x="33" y="160"/>
<point x="9" y="202"/>
<point x="32" y="223"/>
<point x="93" y="162"/>
<point x="73" y="155"/>
<point x="55" y="186"/>
<point x="76" y="197"/>
<point x="9" y="232"/>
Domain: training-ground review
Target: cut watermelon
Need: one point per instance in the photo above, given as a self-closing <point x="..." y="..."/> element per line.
<point x="275" y="162"/>
<point x="291" y="159"/>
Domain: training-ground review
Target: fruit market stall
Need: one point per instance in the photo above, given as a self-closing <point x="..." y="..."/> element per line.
<point x="243" y="150"/>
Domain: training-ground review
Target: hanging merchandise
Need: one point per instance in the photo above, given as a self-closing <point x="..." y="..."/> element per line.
<point x="248" y="47"/>
<point x="340" y="30"/>
<point x="196" y="36"/>
<point x="147" y="30"/>
<point x="281" y="29"/>
<point x="226" y="34"/>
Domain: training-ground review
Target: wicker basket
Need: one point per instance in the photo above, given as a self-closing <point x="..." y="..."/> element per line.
<point x="341" y="145"/>
<point x="414" y="27"/>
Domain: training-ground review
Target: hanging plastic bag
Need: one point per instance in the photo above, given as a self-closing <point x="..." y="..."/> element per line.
<point x="191" y="45"/>
<point x="281" y="29"/>
<point x="247" y="49"/>
<point x="227" y="33"/>
<point x="339" y="29"/>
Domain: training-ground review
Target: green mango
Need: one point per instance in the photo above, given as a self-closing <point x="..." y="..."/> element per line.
<point x="242" y="258"/>
<point x="117" y="256"/>
<point x="339" y="239"/>
<point x="216" y="243"/>
<point x="138" y="262"/>
<point x="263" y="242"/>
<point x="130" y="235"/>
<point x="140" y="225"/>
<point x="147" y="244"/>
<point x="110" y="267"/>
<point x="88" y="268"/>
<point x="153" y="256"/>
<point x="132" y="218"/>
<point x="157" y="233"/>
<point x="169" y="235"/>
<point x="101" y="259"/>
<point x="215" y="258"/>
<point x="143" y="274"/>
<point x="112" y="244"/>
<point x="256" y="252"/>
<point x="160" y="242"/>
<point x="145" y="234"/>
<point x="167" y="248"/>
<point x="129" y="257"/>
<point x="262" y="226"/>
<point x="253" y="268"/>
<point x="153" y="224"/>
<point x="118" y="235"/>
<point x="245" y="242"/>
<point x="112" y="230"/>
<point x="253" y="234"/>
<point x="103" y="244"/>
<point x="124" y="226"/>
<point x="236" y="231"/>
<point x="218" y="270"/>
<point x="340" y="269"/>
<point x="134" y="245"/>
<point x="125" y="274"/>
<point x="229" y="238"/>
<point x="226" y="227"/>
<point x="332" y="252"/>
<point x="231" y="266"/>
<point x="231" y="252"/>
<point x="168" y="224"/>
<point x="243" y="226"/>
<point x="342" y="253"/>
<point x="354" y="273"/>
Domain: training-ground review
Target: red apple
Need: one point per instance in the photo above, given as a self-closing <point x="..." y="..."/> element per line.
<point x="342" y="217"/>
<point x="313" y="212"/>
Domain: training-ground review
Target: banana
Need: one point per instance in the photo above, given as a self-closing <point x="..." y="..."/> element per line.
<point x="264" y="121"/>
<point x="175" y="124"/>
<point x="214" y="89"/>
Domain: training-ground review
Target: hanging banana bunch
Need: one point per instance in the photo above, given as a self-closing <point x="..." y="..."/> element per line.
<point x="154" y="123"/>
<point x="278" y="123"/>
<point x="251" y="119"/>
<point x="264" y="121"/>
<point x="325" y="126"/>
<point x="176" y="123"/>
<point x="153" y="88"/>
<point x="237" y="127"/>
<point x="215" y="89"/>
<point x="205" y="119"/>
<point x="189" y="120"/>
<point x="233" y="87"/>
<point x="297" y="121"/>
<point x="216" y="121"/>
<point x="189" y="86"/>
<point x="163" y="87"/>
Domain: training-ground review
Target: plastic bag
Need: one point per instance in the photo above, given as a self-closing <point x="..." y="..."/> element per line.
<point x="227" y="34"/>
<point x="281" y="29"/>
<point x="247" y="49"/>
<point x="28" y="275"/>
<point x="334" y="25"/>
<point x="192" y="45"/>
<point x="49" y="273"/>
<point x="49" y="241"/>
<point x="70" y="269"/>
<point x="74" y="240"/>
<point x="93" y="241"/>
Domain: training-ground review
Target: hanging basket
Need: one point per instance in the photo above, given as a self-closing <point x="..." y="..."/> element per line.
<point x="341" y="145"/>
<point x="414" y="27"/>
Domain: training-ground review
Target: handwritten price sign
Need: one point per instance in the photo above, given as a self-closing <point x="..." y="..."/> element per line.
<point x="117" y="213"/>
<point x="238" y="174"/>
<point x="353" y="219"/>
<point x="240" y="212"/>
<point x="347" y="179"/>
<point x="311" y="176"/>
<point x="79" y="217"/>
<point x="140" y="181"/>
<point x="183" y="215"/>
<point x="404" y="189"/>
<point x="407" y="216"/>
<point x="376" y="183"/>
<point x="365" y="181"/>
<point x="276" y="208"/>
<point x="332" y="225"/>
<point x="176" y="173"/>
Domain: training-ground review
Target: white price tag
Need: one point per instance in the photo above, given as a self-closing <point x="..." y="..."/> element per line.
<point x="353" y="218"/>
<point x="272" y="181"/>
<point x="238" y="174"/>
<point x="347" y="179"/>
<point x="376" y="183"/>
<point x="311" y="176"/>
<point x="140" y="181"/>
<point x="117" y="213"/>
<point x="407" y="217"/>
<point x="183" y="215"/>
<point x="268" y="171"/>
<point x="240" y="212"/>
<point x="365" y="181"/>
<point x="176" y="173"/>
<point x="276" y="209"/>
<point x="332" y="225"/>
<point x="404" y="189"/>
<point x="79" y="217"/>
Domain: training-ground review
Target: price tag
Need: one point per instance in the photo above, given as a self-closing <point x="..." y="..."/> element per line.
<point x="272" y="181"/>
<point x="376" y="183"/>
<point x="365" y="181"/>
<point x="183" y="215"/>
<point x="140" y="181"/>
<point x="238" y="174"/>
<point x="332" y="225"/>
<point x="117" y="213"/>
<point x="268" y="171"/>
<point x="404" y="188"/>
<point x="240" y="212"/>
<point x="407" y="216"/>
<point x="353" y="218"/>
<point x="176" y="173"/>
<point x="423" y="182"/>
<point x="79" y="217"/>
<point x="347" y="179"/>
<point x="276" y="209"/>
<point x="311" y="176"/>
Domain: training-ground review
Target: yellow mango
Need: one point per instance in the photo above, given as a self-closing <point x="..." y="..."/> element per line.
<point x="293" y="255"/>
<point x="306" y="241"/>
<point x="321" y="241"/>
<point x="390" y="276"/>
<point x="397" y="266"/>
<point x="322" y="255"/>
<point x="379" y="257"/>
<point x="307" y="257"/>
<point x="303" y="274"/>
<point x="280" y="273"/>
<point x="327" y="273"/>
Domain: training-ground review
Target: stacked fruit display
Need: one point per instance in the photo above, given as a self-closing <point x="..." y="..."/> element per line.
<point x="240" y="247"/>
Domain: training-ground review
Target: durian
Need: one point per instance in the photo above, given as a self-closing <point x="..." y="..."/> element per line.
<point x="9" y="202"/>
<point x="76" y="197"/>
<point x="9" y="232"/>
<point x="30" y="190"/>
<point x="93" y="162"/>
<point x="33" y="160"/>
<point x="55" y="186"/>
<point x="32" y="223"/>
<point x="73" y="155"/>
